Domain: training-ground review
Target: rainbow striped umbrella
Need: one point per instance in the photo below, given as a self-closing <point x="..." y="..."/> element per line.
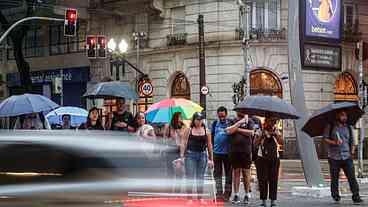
<point x="163" y="111"/>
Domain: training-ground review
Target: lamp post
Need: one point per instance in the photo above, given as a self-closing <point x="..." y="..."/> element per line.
<point x="117" y="51"/>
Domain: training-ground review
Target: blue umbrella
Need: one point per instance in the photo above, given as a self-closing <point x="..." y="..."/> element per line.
<point x="113" y="89"/>
<point x="78" y="115"/>
<point x="25" y="104"/>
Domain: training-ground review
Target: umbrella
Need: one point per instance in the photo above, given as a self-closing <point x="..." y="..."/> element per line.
<point x="112" y="89"/>
<point x="317" y="122"/>
<point x="25" y="104"/>
<point x="77" y="115"/>
<point x="163" y="111"/>
<point x="267" y="105"/>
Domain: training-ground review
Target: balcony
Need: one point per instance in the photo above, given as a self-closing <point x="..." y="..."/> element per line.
<point x="177" y="39"/>
<point x="351" y="33"/>
<point x="262" y="34"/>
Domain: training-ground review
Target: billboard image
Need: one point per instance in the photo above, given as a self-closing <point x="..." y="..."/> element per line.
<point x="323" y="19"/>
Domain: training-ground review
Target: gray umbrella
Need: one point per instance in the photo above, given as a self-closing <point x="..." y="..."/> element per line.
<point x="267" y="106"/>
<point x="113" y="89"/>
<point x="25" y="104"/>
<point x="317" y="122"/>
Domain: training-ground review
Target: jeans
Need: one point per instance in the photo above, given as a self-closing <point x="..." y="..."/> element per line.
<point x="348" y="167"/>
<point x="171" y="172"/>
<point x="195" y="168"/>
<point x="222" y="164"/>
<point x="267" y="175"/>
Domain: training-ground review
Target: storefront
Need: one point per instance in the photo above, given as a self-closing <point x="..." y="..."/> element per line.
<point x="73" y="84"/>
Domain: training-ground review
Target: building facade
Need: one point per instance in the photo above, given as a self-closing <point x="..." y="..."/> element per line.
<point x="168" y="52"/>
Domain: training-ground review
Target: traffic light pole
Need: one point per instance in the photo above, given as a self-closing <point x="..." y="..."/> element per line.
<point x="5" y="34"/>
<point x="244" y="9"/>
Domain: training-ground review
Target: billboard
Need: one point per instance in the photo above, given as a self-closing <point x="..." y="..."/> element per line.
<point x="323" y="19"/>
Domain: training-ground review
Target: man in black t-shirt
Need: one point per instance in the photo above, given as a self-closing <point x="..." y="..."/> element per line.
<point x="240" y="153"/>
<point x="123" y="120"/>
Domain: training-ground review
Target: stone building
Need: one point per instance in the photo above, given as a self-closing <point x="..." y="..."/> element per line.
<point x="168" y="52"/>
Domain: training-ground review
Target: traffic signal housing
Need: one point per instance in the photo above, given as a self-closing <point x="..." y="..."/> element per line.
<point x="101" y="46"/>
<point x="91" y="47"/>
<point x="70" y="22"/>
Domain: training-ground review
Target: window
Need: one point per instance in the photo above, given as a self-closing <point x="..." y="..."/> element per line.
<point x="63" y="45"/>
<point x="32" y="44"/>
<point x="180" y="87"/>
<point x="178" y="20"/>
<point x="265" y="14"/>
<point x="350" y="14"/>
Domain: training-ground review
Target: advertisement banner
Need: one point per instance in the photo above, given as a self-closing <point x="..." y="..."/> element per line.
<point x="323" y="19"/>
<point x="321" y="57"/>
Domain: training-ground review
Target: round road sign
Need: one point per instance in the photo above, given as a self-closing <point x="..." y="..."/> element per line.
<point x="205" y="90"/>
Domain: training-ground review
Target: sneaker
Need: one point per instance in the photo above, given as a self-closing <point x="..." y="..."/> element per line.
<point x="263" y="204"/>
<point x="357" y="201"/>
<point x="337" y="199"/>
<point x="236" y="200"/>
<point x="246" y="200"/>
<point x="273" y="203"/>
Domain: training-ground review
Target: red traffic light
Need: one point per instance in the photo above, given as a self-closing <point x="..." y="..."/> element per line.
<point x="91" y="46"/>
<point x="71" y="15"/>
<point x="101" y="41"/>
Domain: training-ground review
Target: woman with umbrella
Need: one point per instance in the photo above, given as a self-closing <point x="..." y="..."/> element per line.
<point x="173" y="134"/>
<point x="268" y="160"/>
<point x="93" y="120"/>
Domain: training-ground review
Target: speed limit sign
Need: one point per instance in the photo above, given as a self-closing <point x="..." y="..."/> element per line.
<point x="147" y="88"/>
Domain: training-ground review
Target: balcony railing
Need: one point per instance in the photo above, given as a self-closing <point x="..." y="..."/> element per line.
<point x="351" y="33"/>
<point x="177" y="39"/>
<point x="263" y="34"/>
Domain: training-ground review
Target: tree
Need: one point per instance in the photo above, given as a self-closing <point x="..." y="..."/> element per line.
<point x="17" y="36"/>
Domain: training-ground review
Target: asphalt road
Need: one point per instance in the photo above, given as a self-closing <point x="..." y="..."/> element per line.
<point x="116" y="199"/>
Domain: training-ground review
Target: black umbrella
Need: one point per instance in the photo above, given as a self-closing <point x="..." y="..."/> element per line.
<point x="267" y="106"/>
<point x="317" y="122"/>
<point x="113" y="89"/>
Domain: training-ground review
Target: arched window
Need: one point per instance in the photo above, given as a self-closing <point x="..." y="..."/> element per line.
<point x="265" y="82"/>
<point x="346" y="88"/>
<point x="180" y="87"/>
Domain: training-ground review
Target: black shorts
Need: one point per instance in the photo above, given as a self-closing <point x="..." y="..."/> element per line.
<point x="240" y="160"/>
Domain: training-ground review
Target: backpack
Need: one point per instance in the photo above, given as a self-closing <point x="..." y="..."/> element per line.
<point x="269" y="149"/>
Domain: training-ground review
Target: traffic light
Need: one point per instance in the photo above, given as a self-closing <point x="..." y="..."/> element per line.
<point x="91" y="46"/>
<point x="70" y="22"/>
<point x="101" y="46"/>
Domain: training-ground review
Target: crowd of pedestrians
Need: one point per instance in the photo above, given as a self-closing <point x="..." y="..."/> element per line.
<point x="229" y="147"/>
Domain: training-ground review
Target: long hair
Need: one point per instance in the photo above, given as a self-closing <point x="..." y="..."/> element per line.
<point x="176" y="123"/>
<point x="89" y="122"/>
<point x="136" y="117"/>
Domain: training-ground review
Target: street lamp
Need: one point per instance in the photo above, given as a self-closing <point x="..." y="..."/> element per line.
<point x="123" y="46"/>
<point x="111" y="45"/>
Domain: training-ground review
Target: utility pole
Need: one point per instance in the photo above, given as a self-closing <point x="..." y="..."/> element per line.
<point x="202" y="61"/>
<point x="307" y="149"/>
<point x="244" y="9"/>
<point x="361" y="102"/>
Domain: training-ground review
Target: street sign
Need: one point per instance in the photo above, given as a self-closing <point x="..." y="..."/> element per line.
<point x="325" y="57"/>
<point x="58" y="85"/>
<point x="204" y="90"/>
<point x="146" y="88"/>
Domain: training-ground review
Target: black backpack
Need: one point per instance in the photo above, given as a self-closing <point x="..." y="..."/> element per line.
<point x="269" y="148"/>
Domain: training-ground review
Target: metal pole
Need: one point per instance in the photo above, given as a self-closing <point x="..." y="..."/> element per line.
<point x="307" y="149"/>
<point x="24" y="20"/>
<point x="62" y="88"/>
<point x="244" y="9"/>
<point x="361" y="101"/>
<point x="202" y="61"/>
